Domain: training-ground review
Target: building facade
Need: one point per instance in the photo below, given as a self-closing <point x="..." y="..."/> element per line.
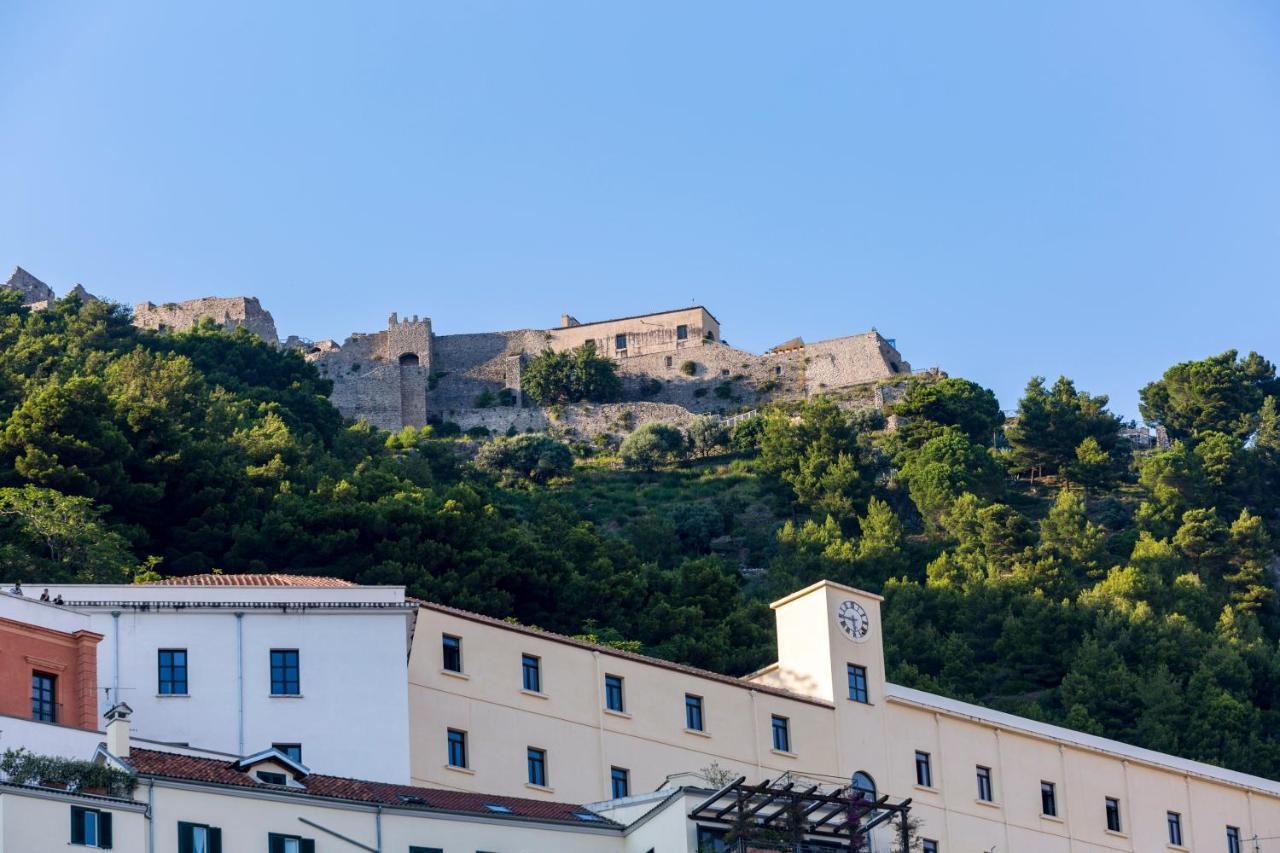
<point x="237" y="663"/>
<point x="502" y="708"/>
<point x="48" y="663"/>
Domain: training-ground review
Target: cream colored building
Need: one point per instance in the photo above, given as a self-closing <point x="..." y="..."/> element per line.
<point x="644" y="334"/>
<point x="501" y="708"/>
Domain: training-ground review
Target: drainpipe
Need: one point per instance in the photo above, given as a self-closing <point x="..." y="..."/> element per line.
<point x="115" y="642"/>
<point x="377" y="819"/>
<point x="151" y="815"/>
<point x="240" y="682"/>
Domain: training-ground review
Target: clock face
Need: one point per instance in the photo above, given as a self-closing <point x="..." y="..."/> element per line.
<point x="853" y="620"/>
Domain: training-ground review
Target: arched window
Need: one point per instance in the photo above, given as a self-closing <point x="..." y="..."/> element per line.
<point x="409" y="359"/>
<point x="863" y="782"/>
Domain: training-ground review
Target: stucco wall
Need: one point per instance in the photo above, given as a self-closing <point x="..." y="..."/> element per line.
<point x="37" y="822"/>
<point x="647" y="333"/>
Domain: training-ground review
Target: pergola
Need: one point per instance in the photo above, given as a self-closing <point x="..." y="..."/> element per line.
<point x="784" y="816"/>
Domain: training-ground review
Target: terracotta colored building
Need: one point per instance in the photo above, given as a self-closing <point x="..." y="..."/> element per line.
<point x="48" y="663"/>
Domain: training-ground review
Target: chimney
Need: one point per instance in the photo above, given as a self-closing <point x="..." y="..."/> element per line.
<point x="567" y="320"/>
<point x="118" y="730"/>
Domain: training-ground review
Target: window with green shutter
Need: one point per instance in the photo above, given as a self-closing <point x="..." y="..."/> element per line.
<point x="90" y="828"/>
<point x="277" y="843"/>
<point x="198" y="838"/>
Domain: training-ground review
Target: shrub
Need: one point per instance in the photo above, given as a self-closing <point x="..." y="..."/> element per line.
<point x="689" y="368"/>
<point x="649" y="387"/>
<point x="479" y="432"/>
<point x="486" y="399"/>
<point x="506" y="397"/>
<point x="724" y="390"/>
<point x="652" y="445"/>
<point x="699" y="392"/>
<point x="21" y="767"/>
<point x="531" y="457"/>
<point x="705" y="435"/>
<point x="571" y="377"/>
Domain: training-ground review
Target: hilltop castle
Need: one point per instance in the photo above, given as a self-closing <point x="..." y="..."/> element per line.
<point x="674" y="365"/>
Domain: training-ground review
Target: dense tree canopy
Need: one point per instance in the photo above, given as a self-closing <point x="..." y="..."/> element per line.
<point x="1133" y="597"/>
<point x="570" y="377"/>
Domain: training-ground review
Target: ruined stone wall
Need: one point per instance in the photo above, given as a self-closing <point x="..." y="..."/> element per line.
<point x="853" y="360"/>
<point x="465" y="366"/>
<point x="580" y="420"/>
<point x="35" y="293"/>
<point x="228" y="312"/>
<point x="724" y="378"/>
<point x="645" y="334"/>
<point x="380" y="378"/>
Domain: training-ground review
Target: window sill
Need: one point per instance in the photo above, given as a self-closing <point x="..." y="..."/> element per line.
<point x="452" y="674"/>
<point x="1115" y="834"/>
<point x="1172" y="846"/>
<point x="929" y="788"/>
<point x="698" y="732"/>
<point x="991" y="804"/>
<point x="456" y="769"/>
<point x="173" y="695"/>
<point x="623" y="714"/>
<point x="541" y="788"/>
<point x="286" y="695"/>
<point x="784" y="753"/>
<point x="537" y="694"/>
<point x="1052" y="817"/>
<point x="866" y="702"/>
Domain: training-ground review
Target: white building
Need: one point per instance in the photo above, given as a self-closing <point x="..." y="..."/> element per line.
<point x="239" y="663"/>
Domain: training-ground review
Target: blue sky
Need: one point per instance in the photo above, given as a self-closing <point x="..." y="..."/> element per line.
<point x="1089" y="188"/>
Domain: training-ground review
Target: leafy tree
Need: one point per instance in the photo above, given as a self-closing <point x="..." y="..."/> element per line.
<point x="706" y="435"/>
<point x="532" y="458"/>
<point x="57" y="537"/>
<point x="818" y="455"/>
<point x="651" y="446"/>
<point x="947" y="467"/>
<point x="571" y="377"/>
<point x="928" y="407"/>
<point x="1093" y="467"/>
<point x="1221" y="394"/>
<point x="1052" y="423"/>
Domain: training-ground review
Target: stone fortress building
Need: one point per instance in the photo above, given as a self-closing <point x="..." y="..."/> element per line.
<point x="674" y="366"/>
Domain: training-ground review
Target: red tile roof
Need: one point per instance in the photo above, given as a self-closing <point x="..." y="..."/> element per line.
<point x="213" y="771"/>
<point x="253" y="580"/>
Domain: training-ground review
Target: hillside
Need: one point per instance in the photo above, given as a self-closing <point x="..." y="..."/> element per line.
<point x="1038" y="566"/>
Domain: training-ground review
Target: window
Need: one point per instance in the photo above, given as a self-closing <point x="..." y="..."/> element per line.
<point x="457" y="748"/>
<point x="693" y="712"/>
<point x="928" y="845"/>
<point x="924" y="771"/>
<point x="781" y="734"/>
<point x="43" y="692"/>
<point x="284" y="673"/>
<point x="198" y="838"/>
<point x="268" y="778"/>
<point x="984" y="784"/>
<point x="668" y="361"/>
<point x="452" y="653"/>
<point x="613" y="699"/>
<point x="293" y="750"/>
<point x="1048" y="799"/>
<point x="619" y="782"/>
<point x="1233" y="839"/>
<point x="865" y="785"/>
<point x="91" y="828"/>
<point x="1175" y="828"/>
<point x="620" y="341"/>
<point x="413" y="849"/>
<point x="682" y="332"/>
<point x="277" y="843"/>
<point x="537" y="767"/>
<point x="531" y="673"/>
<point x="173" y="672"/>
<point x="1113" y="814"/>
<point x="858" y="683"/>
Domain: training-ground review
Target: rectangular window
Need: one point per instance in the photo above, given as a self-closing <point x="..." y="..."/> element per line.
<point x="984" y="784"/>
<point x="43" y="693"/>
<point x="1233" y="839"/>
<point x="452" y="647"/>
<point x="613" y="698"/>
<point x="924" y="770"/>
<point x="90" y="828"/>
<point x="198" y="838"/>
<point x="413" y="849"/>
<point x="781" y="734"/>
<point x="531" y="673"/>
<point x="277" y="843"/>
<point x="1048" y="799"/>
<point x="266" y="777"/>
<point x="1175" y="828"/>
<point x="928" y="845"/>
<point x="620" y="782"/>
<point x="620" y="341"/>
<point x="284" y="673"/>
<point x="682" y="333"/>
<point x="457" y="748"/>
<point x="1113" y="814"/>
<point x="537" y="767"/>
<point x="293" y="750"/>
<point x="172" y="672"/>
<point x="858" y="683"/>
<point x="668" y="361"/>
<point x="693" y="712"/>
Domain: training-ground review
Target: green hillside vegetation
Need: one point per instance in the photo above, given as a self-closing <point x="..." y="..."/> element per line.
<point x="1037" y="566"/>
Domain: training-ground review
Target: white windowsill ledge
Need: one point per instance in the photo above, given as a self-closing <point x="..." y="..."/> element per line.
<point x="1115" y="834"/>
<point x="284" y="695"/>
<point x="173" y="695"/>
<point x="623" y="714"/>
<point x="456" y="769"/>
<point x="537" y="694"/>
<point x="540" y="788"/>
<point x="1052" y="817"/>
<point x="991" y="804"/>
<point x="453" y="674"/>
<point x="698" y="732"/>
<point x="928" y="788"/>
<point x="784" y="753"/>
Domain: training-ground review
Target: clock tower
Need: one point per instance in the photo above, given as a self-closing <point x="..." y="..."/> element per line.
<point x="823" y="630"/>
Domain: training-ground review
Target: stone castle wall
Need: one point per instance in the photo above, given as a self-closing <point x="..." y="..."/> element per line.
<point x="465" y="366"/>
<point x="228" y="312"/>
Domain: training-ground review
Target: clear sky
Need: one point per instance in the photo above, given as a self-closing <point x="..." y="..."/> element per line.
<point x="1017" y="188"/>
